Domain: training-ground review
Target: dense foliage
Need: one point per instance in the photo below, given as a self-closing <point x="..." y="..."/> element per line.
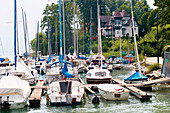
<point x="142" y="12"/>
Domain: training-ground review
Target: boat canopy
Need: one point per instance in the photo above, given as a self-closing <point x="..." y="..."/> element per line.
<point x="41" y="59"/>
<point x="82" y="57"/>
<point x="2" y="59"/>
<point x="136" y="76"/>
<point x="118" y="58"/>
<point x="65" y="72"/>
<point x="13" y="84"/>
<point x="67" y="62"/>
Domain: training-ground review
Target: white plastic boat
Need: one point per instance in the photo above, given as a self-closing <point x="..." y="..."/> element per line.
<point x="65" y="92"/>
<point x="113" y="92"/>
<point x="14" y="92"/>
<point x="97" y="76"/>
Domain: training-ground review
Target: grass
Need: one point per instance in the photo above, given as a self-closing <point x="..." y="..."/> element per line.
<point x="154" y="66"/>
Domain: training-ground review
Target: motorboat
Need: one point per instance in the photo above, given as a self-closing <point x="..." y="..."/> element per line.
<point x="14" y="92"/>
<point x="113" y="92"/>
<point x="66" y="92"/>
<point x="98" y="75"/>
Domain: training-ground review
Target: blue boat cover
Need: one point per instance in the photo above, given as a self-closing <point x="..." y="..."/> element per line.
<point x="67" y="62"/>
<point x="136" y="76"/>
<point x="65" y="72"/>
<point x="2" y="59"/>
<point x="83" y="57"/>
<point x="41" y="59"/>
<point x="49" y="59"/>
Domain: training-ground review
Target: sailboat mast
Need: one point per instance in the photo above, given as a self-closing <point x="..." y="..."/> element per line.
<point x="24" y="28"/>
<point x="74" y="33"/>
<point x="15" y="53"/>
<point x="90" y="29"/>
<point x="99" y="33"/>
<point x="36" y="42"/>
<point x="136" y="50"/>
<point x="27" y="32"/>
<point x="64" y="29"/>
<point x="61" y="53"/>
<point x="77" y="36"/>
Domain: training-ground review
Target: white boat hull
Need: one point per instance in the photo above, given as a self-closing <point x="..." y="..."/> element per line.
<point x="114" y="95"/>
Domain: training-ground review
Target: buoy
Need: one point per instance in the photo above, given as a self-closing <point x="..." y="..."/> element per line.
<point x="95" y="100"/>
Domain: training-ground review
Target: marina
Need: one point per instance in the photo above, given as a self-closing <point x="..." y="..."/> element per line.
<point x="53" y="70"/>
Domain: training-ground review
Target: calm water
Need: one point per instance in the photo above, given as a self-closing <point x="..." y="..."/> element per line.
<point x="159" y="103"/>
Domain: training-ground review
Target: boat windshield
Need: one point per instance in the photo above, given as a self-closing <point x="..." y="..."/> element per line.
<point x="100" y="74"/>
<point x="65" y="87"/>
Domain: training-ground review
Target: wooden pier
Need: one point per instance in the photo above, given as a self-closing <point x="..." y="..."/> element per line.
<point x="139" y="93"/>
<point x="35" y="97"/>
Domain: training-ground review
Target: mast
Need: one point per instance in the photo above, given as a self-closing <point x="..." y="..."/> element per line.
<point x="27" y="32"/>
<point x="90" y="29"/>
<point x="112" y="41"/>
<point x="15" y="56"/>
<point x="120" y="54"/>
<point x="99" y="34"/>
<point x="77" y="36"/>
<point x="64" y="29"/>
<point x="56" y="46"/>
<point x="24" y="28"/>
<point x="36" y="42"/>
<point x="61" y="53"/>
<point x="136" y="50"/>
<point x="74" y="33"/>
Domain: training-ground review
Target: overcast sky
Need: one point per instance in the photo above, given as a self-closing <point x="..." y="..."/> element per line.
<point x="34" y="10"/>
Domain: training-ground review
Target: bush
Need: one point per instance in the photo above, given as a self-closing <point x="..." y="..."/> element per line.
<point x="155" y="66"/>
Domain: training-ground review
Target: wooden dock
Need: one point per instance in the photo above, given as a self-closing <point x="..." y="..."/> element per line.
<point x="139" y="93"/>
<point x="35" y="97"/>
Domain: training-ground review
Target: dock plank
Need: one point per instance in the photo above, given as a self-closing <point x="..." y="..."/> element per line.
<point x="35" y="97"/>
<point x="139" y="93"/>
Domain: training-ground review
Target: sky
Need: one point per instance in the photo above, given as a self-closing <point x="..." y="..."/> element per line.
<point x="34" y="10"/>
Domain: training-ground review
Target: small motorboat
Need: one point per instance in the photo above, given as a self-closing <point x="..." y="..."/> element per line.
<point x="14" y="92"/>
<point x="98" y="76"/>
<point x="66" y="92"/>
<point x="113" y="92"/>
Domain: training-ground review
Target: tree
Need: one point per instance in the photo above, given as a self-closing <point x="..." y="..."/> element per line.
<point x="164" y="11"/>
<point x="151" y="19"/>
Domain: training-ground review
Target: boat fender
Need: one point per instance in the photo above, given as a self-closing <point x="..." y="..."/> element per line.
<point x="95" y="100"/>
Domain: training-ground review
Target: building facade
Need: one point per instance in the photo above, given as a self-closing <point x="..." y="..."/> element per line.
<point x="118" y="25"/>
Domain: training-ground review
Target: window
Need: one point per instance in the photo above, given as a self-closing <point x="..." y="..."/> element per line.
<point x="117" y="32"/>
<point x="123" y="31"/>
<point x="100" y="74"/>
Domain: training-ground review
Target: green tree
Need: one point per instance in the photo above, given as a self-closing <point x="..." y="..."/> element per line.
<point x="163" y="10"/>
<point x="151" y="19"/>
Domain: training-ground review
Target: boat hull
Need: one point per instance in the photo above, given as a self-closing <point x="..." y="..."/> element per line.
<point x="114" y="95"/>
<point x="98" y="81"/>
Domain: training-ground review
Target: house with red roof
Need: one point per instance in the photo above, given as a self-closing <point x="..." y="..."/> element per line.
<point x="118" y="25"/>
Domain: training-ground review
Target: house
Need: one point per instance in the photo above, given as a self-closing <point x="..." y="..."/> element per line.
<point x="118" y="25"/>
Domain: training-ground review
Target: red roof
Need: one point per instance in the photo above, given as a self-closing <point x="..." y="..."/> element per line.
<point x="124" y="14"/>
<point x="117" y="14"/>
<point x="105" y="18"/>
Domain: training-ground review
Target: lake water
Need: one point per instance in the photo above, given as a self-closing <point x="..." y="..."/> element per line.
<point x="159" y="103"/>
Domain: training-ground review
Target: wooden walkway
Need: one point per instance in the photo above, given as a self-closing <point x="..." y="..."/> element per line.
<point x="139" y="93"/>
<point x="147" y="83"/>
<point x="35" y="97"/>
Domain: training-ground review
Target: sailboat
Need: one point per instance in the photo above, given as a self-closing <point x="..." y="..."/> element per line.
<point x="137" y="77"/>
<point x="21" y="69"/>
<point x="97" y="74"/>
<point x="65" y="92"/>
<point x="14" y="92"/>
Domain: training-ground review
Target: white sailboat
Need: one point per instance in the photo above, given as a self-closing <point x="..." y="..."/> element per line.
<point x="24" y="72"/>
<point x="14" y="92"/>
<point x="98" y="75"/>
<point x="65" y="92"/>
